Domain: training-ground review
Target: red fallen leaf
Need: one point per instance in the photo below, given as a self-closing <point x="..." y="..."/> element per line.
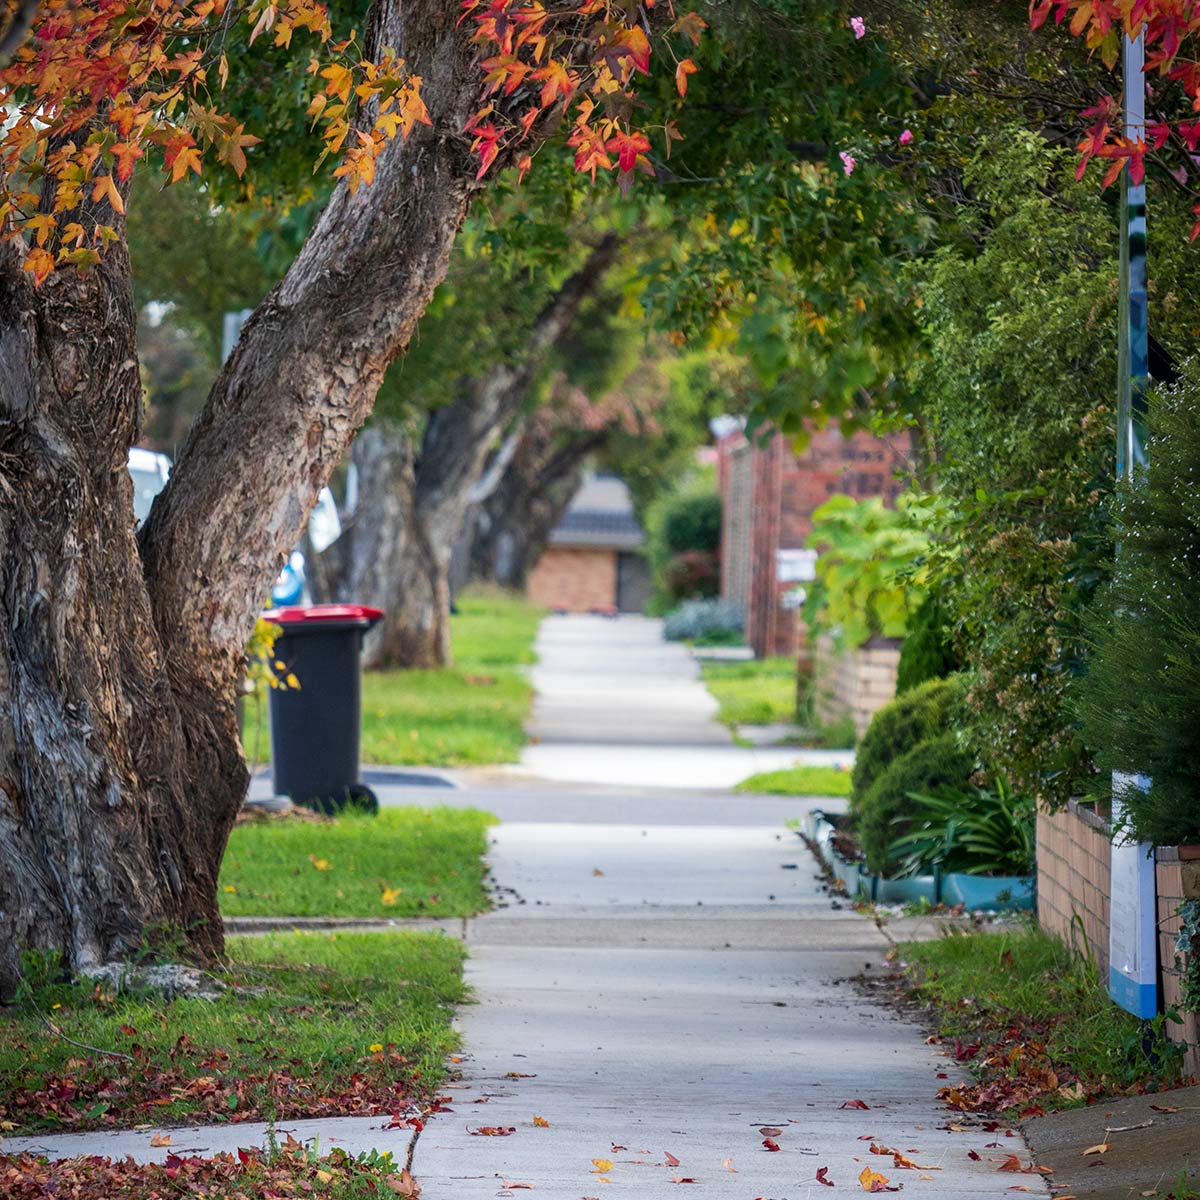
<point x="822" y="1173"/>
<point x="404" y="1185"/>
<point x="854" y="1104"/>
<point x="683" y="1179"/>
<point x="513" y="1187"/>
<point x="866" y="1137"/>
<point x="672" y="1161"/>
<point x="1011" y="1163"/>
<point x="492" y="1131"/>
<point x="879" y="1149"/>
<point x="770" y="1144"/>
<point x="1163" y="1108"/>
<point x="974" y="1155"/>
<point x="770" y="1131"/>
<point x="942" y="1075"/>
<point x="129" y="1031"/>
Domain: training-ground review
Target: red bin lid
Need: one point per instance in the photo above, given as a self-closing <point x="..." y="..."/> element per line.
<point x="305" y="614"/>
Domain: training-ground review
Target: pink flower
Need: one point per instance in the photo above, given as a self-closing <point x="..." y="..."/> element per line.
<point x="859" y="26"/>
<point x="848" y="162"/>
<point x="906" y="137"/>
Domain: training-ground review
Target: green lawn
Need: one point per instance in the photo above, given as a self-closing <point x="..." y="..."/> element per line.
<point x="758" y="692"/>
<point x="1045" y="1031"/>
<point x="799" y="781"/>
<point x="467" y="715"/>
<point x="312" y="1025"/>
<point x="404" y="862"/>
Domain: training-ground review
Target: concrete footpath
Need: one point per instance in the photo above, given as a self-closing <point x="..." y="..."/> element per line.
<point x="660" y="1001"/>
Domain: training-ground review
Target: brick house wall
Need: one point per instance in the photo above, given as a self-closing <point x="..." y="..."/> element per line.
<point x="1176" y="881"/>
<point x="855" y="683"/>
<point x="574" y="579"/>
<point x="769" y="493"/>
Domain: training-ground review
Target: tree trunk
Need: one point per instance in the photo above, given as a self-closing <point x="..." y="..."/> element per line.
<point x="408" y="540"/>
<point x="511" y="527"/>
<point x="120" y="769"/>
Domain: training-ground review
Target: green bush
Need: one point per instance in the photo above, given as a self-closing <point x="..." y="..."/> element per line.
<point x="1140" y="700"/>
<point x="692" y="522"/>
<point x="927" y="652"/>
<point x="683" y="528"/>
<point x="910" y="719"/>
<point x="884" y="811"/>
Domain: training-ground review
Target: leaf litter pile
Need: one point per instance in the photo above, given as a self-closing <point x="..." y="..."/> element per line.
<point x="306" y="1025"/>
<point x="289" y="1173"/>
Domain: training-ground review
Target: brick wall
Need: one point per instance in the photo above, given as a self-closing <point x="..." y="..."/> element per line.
<point x="1176" y="881"/>
<point x="770" y="493"/>
<point x="574" y="579"/>
<point x="1073" y="861"/>
<point x="855" y="683"/>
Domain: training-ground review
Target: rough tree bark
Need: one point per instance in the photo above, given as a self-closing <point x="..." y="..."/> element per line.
<point x="120" y="768"/>
<point x="509" y="529"/>
<point x="411" y="506"/>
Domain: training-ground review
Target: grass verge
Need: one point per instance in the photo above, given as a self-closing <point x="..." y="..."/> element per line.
<point x="290" y="1173"/>
<point x="799" y="781"/>
<point x="1030" y="1026"/>
<point x="404" y="862"/>
<point x="471" y="714"/>
<point x="310" y="1025"/>
<point x="756" y="692"/>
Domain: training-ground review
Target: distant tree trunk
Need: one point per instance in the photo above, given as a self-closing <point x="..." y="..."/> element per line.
<point x="510" y="528"/>
<point x="120" y="768"/>
<point x="408" y="541"/>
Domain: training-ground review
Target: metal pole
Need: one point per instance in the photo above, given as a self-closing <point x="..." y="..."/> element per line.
<point x="1133" y="958"/>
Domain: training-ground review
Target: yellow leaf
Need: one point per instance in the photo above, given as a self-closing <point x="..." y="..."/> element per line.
<point x="541" y="1122"/>
<point x="230" y="889"/>
<point x="1100" y="1149"/>
<point x="375" y="1047"/>
<point x="321" y="864"/>
<point x="872" y="1181"/>
<point x="389" y="895"/>
<point x="39" y="263"/>
<point x="324" y="1177"/>
<point x="602" y="1165"/>
<point x="161" y="1139"/>
<point x="105" y="186"/>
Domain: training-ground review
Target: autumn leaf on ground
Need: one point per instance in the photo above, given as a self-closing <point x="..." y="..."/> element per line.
<point x="854" y="1104"/>
<point x="404" y="1185"/>
<point x="1013" y="1163"/>
<point x="390" y="895"/>
<point x="769" y="1131"/>
<point x="492" y="1131"/>
<point x="1163" y="1108"/>
<point x="823" y="1177"/>
<point x="908" y="1164"/>
<point x="1102" y="1148"/>
<point x="518" y="1075"/>
<point x="161" y="1139"/>
<point x="672" y="1161"/>
<point x="728" y="1165"/>
<point x="597" y="871"/>
<point x="320" y="864"/>
<point x="872" y="1181"/>
<point x="541" y="1122"/>
<point x="602" y="1165"/>
<point x="683" y="1179"/>
<point x="770" y="1144"/>
<point x="515" y="1187"/>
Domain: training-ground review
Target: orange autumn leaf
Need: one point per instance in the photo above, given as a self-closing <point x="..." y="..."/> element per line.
<point x="685" y="68"/>
<point x="872" y="1181"/>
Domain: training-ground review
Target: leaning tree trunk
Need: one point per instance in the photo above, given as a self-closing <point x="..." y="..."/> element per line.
<point x="510" y="528"/>
<point x="410" y="514"/>
<point x="121" y="772"/>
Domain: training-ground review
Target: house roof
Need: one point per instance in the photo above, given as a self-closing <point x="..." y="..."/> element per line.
<point x="601" y="515"/>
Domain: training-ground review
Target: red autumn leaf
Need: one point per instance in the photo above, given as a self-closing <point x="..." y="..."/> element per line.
<point x="683" y="1179"/>
<point x="770" y="1144"/>
<point x="822" y="1177"/>
<point x="672" y="1161"/>
<point x="854" y="1104"/>
<point x="492" y="1131"/>
<point x="685" y="68"/>
<point x="627" y="147"/>
<point x="974" y="1155"/>
<point x="1011" y="1163"/>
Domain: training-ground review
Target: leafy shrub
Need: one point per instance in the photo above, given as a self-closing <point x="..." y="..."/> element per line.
<point x="683" y="529"/>
<point x="979" y="831"/>
<point x="692" y="521"/>
<point x="910" y="719"/>
<point x="928" y="652"/>
<point x="702" y="619"/>
<point x="885" y="810"/>
<point x="692" y="573"/>
<point x="1140" y="700"/>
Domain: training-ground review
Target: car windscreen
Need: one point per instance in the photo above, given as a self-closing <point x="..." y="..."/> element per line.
<point x="146" y="485"/>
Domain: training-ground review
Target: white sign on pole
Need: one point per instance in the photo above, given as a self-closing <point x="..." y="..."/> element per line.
<point x="795" y="566"/>
<point x="1132" y="952"/>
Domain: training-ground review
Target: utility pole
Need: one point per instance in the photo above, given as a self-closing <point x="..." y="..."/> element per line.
<point x="1133" y="954"/>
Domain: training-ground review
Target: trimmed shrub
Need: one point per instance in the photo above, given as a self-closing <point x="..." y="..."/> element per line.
<point x="884" y="812"/>
<point x="698" y="620"/>
<point x="927" y="652"/>
<point x="919" y="714"/>
<point x="692" y="521"/>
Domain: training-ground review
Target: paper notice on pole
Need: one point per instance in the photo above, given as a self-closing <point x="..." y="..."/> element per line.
<point x="1132" y="954"/>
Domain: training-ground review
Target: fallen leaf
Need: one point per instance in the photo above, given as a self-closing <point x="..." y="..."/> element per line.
<point x="518" y="1075"/>
<point x="770" y="1144"/>
<point x="541" y="1122"/>
<point x="872" y="1181"/>
<point x="974" y="1154"/>
<point x="375" y="1047"/>
<point x="822" y="1177"/>
<point x="1102" y="1148"/>
<point x="853" y="1104"/>
<point x="321" y="864"/>
<point x="728" y="1165"/>
<point x="1011" y="1163"/>
<point x="1162" y="1108"/>
<point x="404" y="1185"/>
<point x="683" y="1179"/>
<point x="161" y="1139"/>
<point x="672" y="1161"/>
<point x="907" y="1164"/>
<point x="770" y="1131"/>
<point x="492" y="1131"/>
<point x="602" y="1165"/>
<point x="597" y="871"/>
<point x="514" y="1187"/>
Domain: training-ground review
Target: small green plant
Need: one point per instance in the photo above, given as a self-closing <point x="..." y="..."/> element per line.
<point x="976" y="830"/>
<point x="1187" y="947"/>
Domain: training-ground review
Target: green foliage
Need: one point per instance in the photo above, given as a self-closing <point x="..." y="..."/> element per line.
<point x="403" y="862"/>
<point x="799" y="781"/>
<point x="293" y="1029"/>
<point x="1024" y="998"/>
<point x="1187" y="949"/>
<point x="683" y="530"/>
<point x="979" y="831"/>
<point x="885" y="809"/>
<point x="867" y="583"/>
<point x="1140" y="700"/>
<point x="927" y="652"/>
<point x="917" y="715"/>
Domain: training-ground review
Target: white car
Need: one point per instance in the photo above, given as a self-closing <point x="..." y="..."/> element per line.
<point x="150" y="471"/>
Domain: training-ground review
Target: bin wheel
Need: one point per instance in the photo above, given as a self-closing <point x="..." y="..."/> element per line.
<point x="360" y="798"/>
